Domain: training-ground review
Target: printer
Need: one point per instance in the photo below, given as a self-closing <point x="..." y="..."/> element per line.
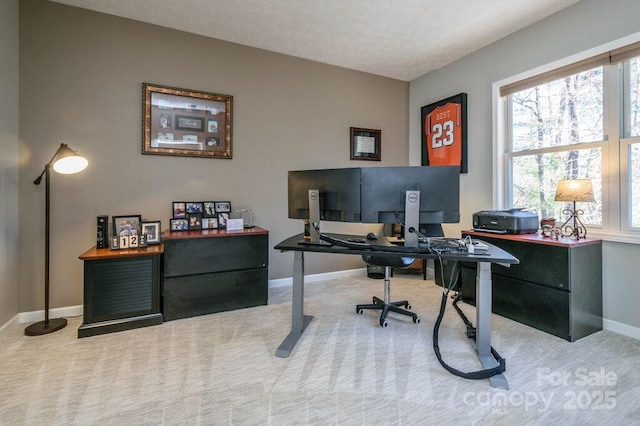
<point x="512" y="221"/>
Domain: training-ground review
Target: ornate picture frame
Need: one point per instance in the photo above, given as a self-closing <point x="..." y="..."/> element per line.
<point x="184" y="122"/>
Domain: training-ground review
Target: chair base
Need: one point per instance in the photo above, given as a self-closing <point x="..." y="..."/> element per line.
<point x="379" y="304"/>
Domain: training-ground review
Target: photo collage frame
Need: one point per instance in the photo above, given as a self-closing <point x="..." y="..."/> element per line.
<point x="193" y="215"/>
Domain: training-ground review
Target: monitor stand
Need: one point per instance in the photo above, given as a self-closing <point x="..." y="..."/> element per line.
<point x="314" y="220"/>
<point x="411" y="218"/>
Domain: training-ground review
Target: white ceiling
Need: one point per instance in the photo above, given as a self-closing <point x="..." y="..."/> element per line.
<point x="401" y="39"/>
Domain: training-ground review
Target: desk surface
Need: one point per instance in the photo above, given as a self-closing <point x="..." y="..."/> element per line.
<point x="493" y="255"/>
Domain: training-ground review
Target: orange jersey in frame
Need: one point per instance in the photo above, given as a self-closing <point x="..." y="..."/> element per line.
<point x="443" y="128"/>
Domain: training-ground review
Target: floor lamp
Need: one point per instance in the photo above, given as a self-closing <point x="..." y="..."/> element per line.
<point x="64" y="161"/>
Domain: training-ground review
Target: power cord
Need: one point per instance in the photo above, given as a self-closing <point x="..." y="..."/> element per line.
<point x="470" y="332"/>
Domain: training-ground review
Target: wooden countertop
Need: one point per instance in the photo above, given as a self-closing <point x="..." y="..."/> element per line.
<point x="95" y="254"/>
<point x="212" y="233"/>
<point x="536" y="238"/>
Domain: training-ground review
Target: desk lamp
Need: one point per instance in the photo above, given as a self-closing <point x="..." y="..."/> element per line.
<point x="574" y="190"/>
<point x="64" y="161"/>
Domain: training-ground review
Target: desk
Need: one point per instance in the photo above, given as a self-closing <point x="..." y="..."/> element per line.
<point x="481" y="344"/>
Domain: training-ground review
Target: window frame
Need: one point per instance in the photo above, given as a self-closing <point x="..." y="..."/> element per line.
<point x="615" y="147"/>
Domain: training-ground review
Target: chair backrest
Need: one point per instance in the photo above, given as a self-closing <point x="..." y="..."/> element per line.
<point x="392" y="261"/>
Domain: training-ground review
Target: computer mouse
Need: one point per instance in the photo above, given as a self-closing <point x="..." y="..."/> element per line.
<point x="372" y="236"/>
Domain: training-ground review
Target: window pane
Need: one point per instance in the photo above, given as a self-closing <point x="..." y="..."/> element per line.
<point x="633" y="115"/>
<point x="634" y="184"/>
<point x="563" y="112"/>
<point x="535" y="177"/>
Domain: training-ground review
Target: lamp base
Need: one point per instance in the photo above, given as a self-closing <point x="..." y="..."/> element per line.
<point x="40" y="328"/>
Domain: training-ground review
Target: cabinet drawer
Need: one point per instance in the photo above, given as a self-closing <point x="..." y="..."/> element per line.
<point x="184" y="297"/>
<point x="541" y="264"/>
<point x="193" y="256"/>
<point x="541" y="307"/>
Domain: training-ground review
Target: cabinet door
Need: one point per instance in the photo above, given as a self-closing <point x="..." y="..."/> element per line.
<point x="121" y="288"/>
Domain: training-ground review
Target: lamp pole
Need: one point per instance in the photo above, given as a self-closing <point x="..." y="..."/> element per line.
<point x="50" y="325"/>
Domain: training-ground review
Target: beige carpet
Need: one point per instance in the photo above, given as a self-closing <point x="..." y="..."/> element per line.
<point x="346" y="369"/>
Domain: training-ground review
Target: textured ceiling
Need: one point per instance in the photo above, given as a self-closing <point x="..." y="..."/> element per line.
<point x="401" y="39"/>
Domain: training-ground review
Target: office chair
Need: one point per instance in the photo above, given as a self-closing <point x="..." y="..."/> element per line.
<point x="388" y="262"/>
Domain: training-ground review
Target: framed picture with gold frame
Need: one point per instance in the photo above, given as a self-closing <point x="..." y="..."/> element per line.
<point x="186" y="122"/>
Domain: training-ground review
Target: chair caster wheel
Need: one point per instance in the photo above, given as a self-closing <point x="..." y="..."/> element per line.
<point x="416" y="320"/>
<point x="360" y="311"/>
<point x="384" y="323"/>
<point x="408" y="306"/>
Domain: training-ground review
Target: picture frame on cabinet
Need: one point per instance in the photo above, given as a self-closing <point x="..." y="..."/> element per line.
<point x="178" y="225"/>
<point x="126" y="225"/>
<point x="179" y="209"/>
<point x="153" y="231"/>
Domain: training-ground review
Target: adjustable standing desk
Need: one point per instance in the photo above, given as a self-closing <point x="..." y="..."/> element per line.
<point x="482" y="342"/>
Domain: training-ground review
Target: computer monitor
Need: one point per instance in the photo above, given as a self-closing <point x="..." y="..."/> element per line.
<point x="339" y="191"/>
<point x="418" y="197"/>
<point x="422" y="198"/>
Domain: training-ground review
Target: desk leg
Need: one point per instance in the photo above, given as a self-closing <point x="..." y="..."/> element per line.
<point x="482" y="343"/>
<point x="299" y="321"/>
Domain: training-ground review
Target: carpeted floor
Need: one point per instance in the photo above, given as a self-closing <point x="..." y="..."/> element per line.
<point x="346" y="369"/>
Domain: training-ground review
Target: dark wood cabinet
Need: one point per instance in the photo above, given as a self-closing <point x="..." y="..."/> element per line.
<point x="213" y="270"/>
<point x="556" y="288"/>
<point x="121" y="289"/>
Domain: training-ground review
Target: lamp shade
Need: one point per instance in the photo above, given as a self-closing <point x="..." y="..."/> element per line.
<point x="580" y="190"/>
<point x="67" y="161"/>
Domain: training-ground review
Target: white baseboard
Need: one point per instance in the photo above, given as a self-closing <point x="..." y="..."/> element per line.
<point x="35" y="316"/>
<point x="620" y="328"/>
<point x="283" y="282"/>
<point x="12" y="321"/>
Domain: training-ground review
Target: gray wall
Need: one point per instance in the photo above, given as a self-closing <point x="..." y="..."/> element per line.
<point x="8" y="160"/>
<point x="587" y="24"/>
<point x="81" y="76"/>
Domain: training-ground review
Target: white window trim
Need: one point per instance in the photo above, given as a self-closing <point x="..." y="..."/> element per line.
<point x="500" y="138"/>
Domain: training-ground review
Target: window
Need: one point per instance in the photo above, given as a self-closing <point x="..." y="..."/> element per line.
<point x="580" y="120"/>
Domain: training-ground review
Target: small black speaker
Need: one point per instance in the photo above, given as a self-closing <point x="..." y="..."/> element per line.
<point x="102" y="240"/>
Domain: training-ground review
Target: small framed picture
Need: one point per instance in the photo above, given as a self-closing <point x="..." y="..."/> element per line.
<point x="194" y="207"/>
<point x="209" y="209"/>
<point x="126" y="225"/>
<point x="223" y="207"/>
<point x="195" y="220"/>
<point x="178" y="224"/>
<point x="152" y="230"/>
<point x="179" y="210"/>
<point x="222" y="220"/>
<point x="209" y="223"/>
<point x="365" y="144"/>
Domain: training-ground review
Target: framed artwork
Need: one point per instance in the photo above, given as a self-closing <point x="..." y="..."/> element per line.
<point x="209" y="209"/>
<point x="179" y="210"/>
<point x="193" y="207"/>
<point x="444" y="132"/>
<point x="126" y="225"/>
<point x="153" y="231"/>
<point x="223" y="206"/>
<point x="209" y="223"/>
<point x="178" y="224"/>
<point x="200" y="123"/>
<point x="222" y="220"/>
<point x="365" y="144"/>
<point x="195" y="220"/>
